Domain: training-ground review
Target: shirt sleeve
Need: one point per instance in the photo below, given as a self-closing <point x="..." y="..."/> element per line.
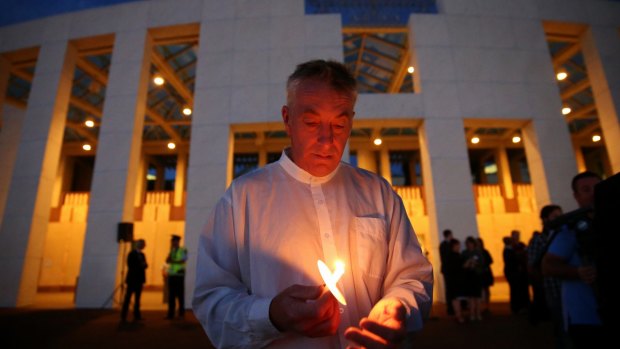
<point x="409" y="275"/>
<point x="533" y="250"/>
<point x="563" y="245"/>
<point x="229" y="313"/>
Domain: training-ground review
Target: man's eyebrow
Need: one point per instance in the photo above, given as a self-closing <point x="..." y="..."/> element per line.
<point x="345" y="114"/>
<point x="310" y="111"/>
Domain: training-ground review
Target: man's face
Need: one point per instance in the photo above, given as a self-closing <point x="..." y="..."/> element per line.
<point x="318" y="120"/>
<point x="584" y="193"/>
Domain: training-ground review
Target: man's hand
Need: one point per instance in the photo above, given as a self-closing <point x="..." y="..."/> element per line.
<point x="308" y="310"/>
<point x="383" y="328"/>
<point x="587" y="274"/>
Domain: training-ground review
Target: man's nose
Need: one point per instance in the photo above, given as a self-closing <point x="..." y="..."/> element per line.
<point x="326" y="135"/>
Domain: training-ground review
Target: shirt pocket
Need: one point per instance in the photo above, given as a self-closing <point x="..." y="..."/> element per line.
<point x="371" y="244"/>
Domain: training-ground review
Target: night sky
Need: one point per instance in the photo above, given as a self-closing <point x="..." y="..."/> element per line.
<point x="15" y="11"/>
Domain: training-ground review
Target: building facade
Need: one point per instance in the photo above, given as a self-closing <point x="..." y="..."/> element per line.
<point x="89" y="139"/>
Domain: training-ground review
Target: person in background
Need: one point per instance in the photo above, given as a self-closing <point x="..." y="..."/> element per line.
<point x="176" y="276"/>
<point x="472" y="278"/>
<point x="567" y="259"/>
<point x="551" y="285"/>
<point x="538" y="308"/>
<point x="136" y="276"/>
<point x="453" y="269"/>
<point x="444" y="249"/>
<point x="510" y="270"/>
<point x="516" y="273"/>
<point x="487" y="278"/>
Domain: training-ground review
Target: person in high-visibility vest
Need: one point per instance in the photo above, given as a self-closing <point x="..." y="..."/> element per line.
<point x="176" y="276"/>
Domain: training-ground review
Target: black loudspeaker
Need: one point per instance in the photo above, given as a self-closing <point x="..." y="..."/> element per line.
<point x="125" y="232"/>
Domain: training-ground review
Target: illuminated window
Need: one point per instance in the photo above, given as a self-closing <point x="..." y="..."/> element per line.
<point x="406" y="171"/>
<point x="244" y="163"/>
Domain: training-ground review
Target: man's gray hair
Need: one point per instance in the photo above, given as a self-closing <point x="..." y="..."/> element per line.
<point x="333" y="73"/>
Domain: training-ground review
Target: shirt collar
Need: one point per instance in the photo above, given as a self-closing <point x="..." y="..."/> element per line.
<point x="300" y="174"/>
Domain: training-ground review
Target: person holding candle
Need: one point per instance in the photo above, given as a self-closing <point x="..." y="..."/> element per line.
<point x="257" y="282"/>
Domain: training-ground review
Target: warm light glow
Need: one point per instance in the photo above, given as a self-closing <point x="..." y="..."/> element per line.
<point x="596" y="138"/>
<point x="87" y="147"/>
<point x="475" y="140"/>
<point x="89" y="123"/>
<point x="187" y="111"/>
<point x="171" y="145"/>
<point x="331" y="279"/>
<point x="516" y="139"/>
<point x="339" y="271"/>
<point x="561" y="75"/>
<point x="490" y="169"/>
<point x="566" y="110"/>
<point x="411" y="69"/>
<point x="158" y="80"/>
<point x="377" y="141"/>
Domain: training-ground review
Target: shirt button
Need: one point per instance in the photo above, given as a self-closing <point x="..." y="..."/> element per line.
<point x="326" y="235"/>
<point x="341" y="309"/>
<point x="320" y="202"/>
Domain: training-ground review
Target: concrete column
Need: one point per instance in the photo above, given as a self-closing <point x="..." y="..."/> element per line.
<point x="60" y="181"/>
<point x="262" y="157"/>
<point x="160" y="172"/>
<point x="262" y="152"/>
<point x="26" y="216"/>
<point x="601" y="53"/>
<point x="210" y="164"/>
<point x="179" y="181"/>
<point x="9" y="140"/>
<point x="141" y="181"/>
<point x="581" y="162"/>
<point x="505" y="178"/>
<point x="117" y="167"/>
<point x="550" y="155"/>
<point x="412" y="170"/>
<point x="447" y="178"/>
<point x="447" y="184"/>
<point x="443" y="150"/>
<point x="386" y="171"/>
<point x="366" y="160"/>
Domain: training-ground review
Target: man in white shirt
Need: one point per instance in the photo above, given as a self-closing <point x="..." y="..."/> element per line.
<point x="258" y="284"/>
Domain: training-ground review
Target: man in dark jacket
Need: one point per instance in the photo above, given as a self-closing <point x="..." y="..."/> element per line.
<point x="444" y="251"/>
<point x="136" y="276"/>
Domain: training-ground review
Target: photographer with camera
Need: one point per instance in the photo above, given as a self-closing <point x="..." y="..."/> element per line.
<point x="570" y="259"/>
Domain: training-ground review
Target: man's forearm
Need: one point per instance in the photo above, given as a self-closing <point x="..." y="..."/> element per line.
<point x="555" y="266"/>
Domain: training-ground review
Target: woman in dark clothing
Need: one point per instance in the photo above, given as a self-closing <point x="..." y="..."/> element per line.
<point x="472" y="283"/>
<point x="487" y="277"/>
<point x="453" y="270"/>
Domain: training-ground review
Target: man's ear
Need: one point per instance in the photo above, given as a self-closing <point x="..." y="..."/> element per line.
<point x="286" y="117"/>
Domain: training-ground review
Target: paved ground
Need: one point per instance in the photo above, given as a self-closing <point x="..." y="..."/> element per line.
<point x="71" y="328"/>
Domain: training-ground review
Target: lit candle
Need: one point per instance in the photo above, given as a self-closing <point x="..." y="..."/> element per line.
<point x="331" y="279"/>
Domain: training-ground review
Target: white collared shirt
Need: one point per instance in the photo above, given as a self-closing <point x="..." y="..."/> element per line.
<point x="270" y="228"/>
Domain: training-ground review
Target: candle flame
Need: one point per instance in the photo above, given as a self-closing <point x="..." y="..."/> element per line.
<point x="331" y="279"/>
